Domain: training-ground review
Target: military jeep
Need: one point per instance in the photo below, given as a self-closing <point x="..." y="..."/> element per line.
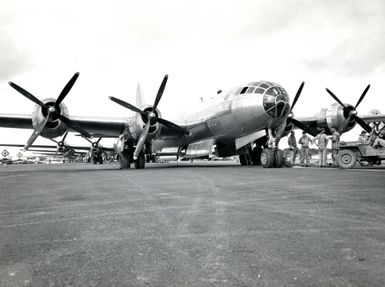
<point x="352" y="152"/>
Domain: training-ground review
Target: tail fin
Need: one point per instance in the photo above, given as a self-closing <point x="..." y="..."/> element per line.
<point x="140" y="101"/>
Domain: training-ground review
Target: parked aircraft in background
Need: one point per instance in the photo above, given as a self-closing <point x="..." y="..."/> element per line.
<point x="95" y="153"/>
<point x="9" y="156"/>
<point x="248" y="120"/>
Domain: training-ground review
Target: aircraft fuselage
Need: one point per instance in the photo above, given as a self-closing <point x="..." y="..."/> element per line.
<point x="234" y="114"/>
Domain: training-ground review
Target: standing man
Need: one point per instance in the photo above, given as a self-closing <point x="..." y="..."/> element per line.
<point x="322" y="151"/>
<point x="335" y="144"/>
<point x="305" y="142"/>
<point x="292" y="142"/>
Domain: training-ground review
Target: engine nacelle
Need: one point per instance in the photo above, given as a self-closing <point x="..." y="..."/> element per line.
<point x="334" y="117"/>
<point x="54" y="127"/>
<point x="338" y="118"/>
<point x="139" y="123"/>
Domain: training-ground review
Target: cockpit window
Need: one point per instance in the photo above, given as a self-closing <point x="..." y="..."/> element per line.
<point x="276" y="102"/>
<point x="244" y="90"/>
<point x="259" y="91"/>
<point x="238" y="91"/>
<point x="264" y="86"/>
<point x="282" y="91"/>
<point x="273" y="91"/>
<point x="250" y="90"/>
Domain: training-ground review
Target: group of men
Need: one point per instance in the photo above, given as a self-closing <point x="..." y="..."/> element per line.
<point x="321" y="140"/>
<point x="376" y="141"/>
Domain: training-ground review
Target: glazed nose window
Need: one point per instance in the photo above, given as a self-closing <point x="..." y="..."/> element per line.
<point x="275" y="102"/>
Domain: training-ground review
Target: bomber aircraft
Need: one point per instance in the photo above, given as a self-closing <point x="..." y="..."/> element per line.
<point x="95" y="150"/>
<point x="248" y="120"/>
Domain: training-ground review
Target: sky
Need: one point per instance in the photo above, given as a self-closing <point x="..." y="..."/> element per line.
<point x="203" y="46"/>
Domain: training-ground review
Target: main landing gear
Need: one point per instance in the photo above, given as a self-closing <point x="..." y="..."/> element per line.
<point x="267" y="157"/>
<point x="272" y="158"/>
<point x="126" y="157"/>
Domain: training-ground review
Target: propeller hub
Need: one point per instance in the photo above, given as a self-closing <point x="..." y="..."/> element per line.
<point x="151" y="115"/>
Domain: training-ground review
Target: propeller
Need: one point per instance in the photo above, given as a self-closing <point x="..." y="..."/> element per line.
<point x="297" y="96"/>
<point x="150" y="116"/>
<point x="61" y="144"/>
<point x="94" y="144"/>
<point x="52" y="110"/>
<point x="294" y="121"/>
<point x="351" y="112"/>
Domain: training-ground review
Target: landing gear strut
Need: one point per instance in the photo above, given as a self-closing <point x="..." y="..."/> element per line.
<point x="140" y="161"/>
<point x="125" y="154"/>
<point x="124" y="159"/>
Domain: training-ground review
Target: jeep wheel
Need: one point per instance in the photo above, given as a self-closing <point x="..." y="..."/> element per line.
<point x="346" y="158"/>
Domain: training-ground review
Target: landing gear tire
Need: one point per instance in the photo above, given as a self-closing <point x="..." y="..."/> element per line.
<point x="288" y="156"/>
<point x="267" y="158"/>
<point x="278" y="158"/>
<point x="140" y="161"/>
<point x="124" y="160"/>
<point x="346" y="158"/>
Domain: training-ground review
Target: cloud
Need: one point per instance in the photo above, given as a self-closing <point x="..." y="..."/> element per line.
<point x="14" y="58"/>
<point x="346" y="38"/>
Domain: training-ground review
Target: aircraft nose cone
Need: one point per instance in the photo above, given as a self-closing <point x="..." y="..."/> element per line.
<point x="276" y="102"/>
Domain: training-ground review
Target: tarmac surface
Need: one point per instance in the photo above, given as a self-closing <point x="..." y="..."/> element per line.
<point x="205" y="224"/>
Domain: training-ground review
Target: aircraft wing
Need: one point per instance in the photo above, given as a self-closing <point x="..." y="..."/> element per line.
<point x="15" y="121"/>
<point x="369" y="118"/>
<point x="312" y="122"/>
<point x="98" y="125"/>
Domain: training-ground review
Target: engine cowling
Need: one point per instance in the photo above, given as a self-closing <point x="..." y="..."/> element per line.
<point x="338" y="118"/>
<point x="54" y="127"/>
<point x="139" y="123"/>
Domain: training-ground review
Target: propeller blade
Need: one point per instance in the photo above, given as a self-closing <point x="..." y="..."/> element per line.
<point x="142" y="139"/>
<point x="362" y="123"/>
<point x="87" y="139"/>
<point x="73" y="125"/>
<point x="127" y="105"/>
<point x="160" y="92"/>
<point x="172" y="126"/>
<point x="362" y="96"/>
<point x="41" y="150"/>
<point x="66" y="89"/>
<point x="37" y="132"/>
<point x="53" y="140"/>
<point x="297" y="95"/>
<point x="304" y="127"/>
<point x="27" y="94"/>
<point x="98" y="140"/>
<point x="64" y="137"/>
<point x="335" y="97"/>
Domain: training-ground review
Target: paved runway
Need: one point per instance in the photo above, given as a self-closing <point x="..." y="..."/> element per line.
<point x="194" y="225"/>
